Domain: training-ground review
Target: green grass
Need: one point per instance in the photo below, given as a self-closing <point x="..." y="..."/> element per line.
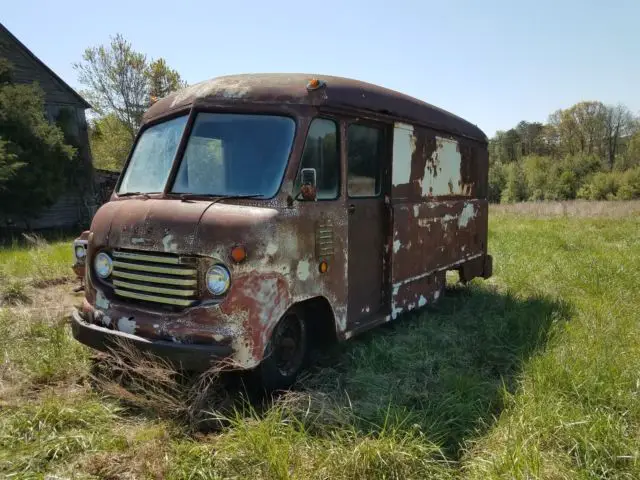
<point x="36" y="260"/>
<point x="531" y="374"/>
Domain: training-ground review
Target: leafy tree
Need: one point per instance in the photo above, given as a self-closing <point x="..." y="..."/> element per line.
<point x="122" y="82"/>
<point x="33" y="154"/>
<point x="110" y="142"/>
<point x="497" y="181"/>
<point x="566" y="186"/>
<point x="631" y="157"/>
<point x="9" y="164"/>
<point x="602" y="186"/>
<point x="531" y="138"/>
<point x="536" y="170"/>
<point x="630" y="184"/>
<point x="162" y="79"/>
<point x="618" y="122"/>
<point x="515" y="186"/>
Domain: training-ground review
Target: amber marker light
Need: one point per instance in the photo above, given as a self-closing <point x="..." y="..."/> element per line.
<point x="323" y="267"/>
<point x="238" y="253"/>
<point x="314" y="84"/>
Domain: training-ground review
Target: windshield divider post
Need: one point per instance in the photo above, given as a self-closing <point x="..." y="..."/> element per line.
<point x="182" y="146"/>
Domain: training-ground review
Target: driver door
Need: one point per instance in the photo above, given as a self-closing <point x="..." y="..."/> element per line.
<point x="366" y="161"/>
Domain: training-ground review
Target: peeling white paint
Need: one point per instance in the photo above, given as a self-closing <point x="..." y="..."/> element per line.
<point x="422" y="301"/>
<point x="135" y="241"/>
<point x="168" y="243"/>
<point x="242" y="353"/>
<point x="226" y="87"/>
<point x="218" y="338"/>
<point x="436" y="295"/>
<point x="101" y="301"/>
<point x="348" y="335"/>
<point x="468" y="212"/>
<point x="272" y="248"/>
<point x="303" y="270"/>
<point x="403" y="148"/>
<point x="416" y="210"/>
<point x="446" y="179"/>
<point x="126" y="325"/>
<point x="266" y="297"/>
<point x="396" y="246"/>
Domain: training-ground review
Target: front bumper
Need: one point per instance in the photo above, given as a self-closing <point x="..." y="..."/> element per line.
<point x="186" y="356"/>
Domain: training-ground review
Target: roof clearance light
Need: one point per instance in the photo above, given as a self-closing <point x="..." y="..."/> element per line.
<point x="314" y="84"/>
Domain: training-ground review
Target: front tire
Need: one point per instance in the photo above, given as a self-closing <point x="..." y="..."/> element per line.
<point x="286" y="353"/>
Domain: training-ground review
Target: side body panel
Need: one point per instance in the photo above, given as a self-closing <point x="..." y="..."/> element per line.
<point x="439" y="209"/>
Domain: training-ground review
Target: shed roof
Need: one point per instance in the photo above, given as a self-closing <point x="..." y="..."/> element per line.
<point x="55" y="78"/>
<point x="337" y="92"/>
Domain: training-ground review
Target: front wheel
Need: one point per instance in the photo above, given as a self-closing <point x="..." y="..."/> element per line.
<point x="286" y="353"/>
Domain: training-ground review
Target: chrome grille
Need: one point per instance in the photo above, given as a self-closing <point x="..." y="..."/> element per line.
<point x="156" y="278"/>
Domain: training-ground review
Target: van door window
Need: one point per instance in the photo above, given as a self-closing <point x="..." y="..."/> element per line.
<point x="321" y="151"/>
<point x="364" y="159"/>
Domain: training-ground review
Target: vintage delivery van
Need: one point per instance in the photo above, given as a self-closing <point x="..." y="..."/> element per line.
<point x="258" y="214"/>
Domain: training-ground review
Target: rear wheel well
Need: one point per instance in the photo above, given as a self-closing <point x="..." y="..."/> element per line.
<point x="320" y="320"/>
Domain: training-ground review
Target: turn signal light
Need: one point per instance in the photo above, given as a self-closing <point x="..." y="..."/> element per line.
<point x="238" y="253"/>
<point x="323" y="267"/>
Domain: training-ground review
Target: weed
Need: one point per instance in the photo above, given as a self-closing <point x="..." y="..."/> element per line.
<point x="15" y="292"/>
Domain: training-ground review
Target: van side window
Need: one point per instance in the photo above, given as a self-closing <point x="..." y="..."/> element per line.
<point x="364" y="159"/>
<point x="321" y="151"/>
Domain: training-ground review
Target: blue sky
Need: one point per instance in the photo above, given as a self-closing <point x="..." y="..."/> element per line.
<point x="492" y="62"/>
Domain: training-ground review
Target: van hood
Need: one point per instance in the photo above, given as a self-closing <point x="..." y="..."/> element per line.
<point x="192" y="227"/>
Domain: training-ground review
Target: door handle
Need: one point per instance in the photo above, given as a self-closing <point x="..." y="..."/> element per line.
<point x="351" y="208"/>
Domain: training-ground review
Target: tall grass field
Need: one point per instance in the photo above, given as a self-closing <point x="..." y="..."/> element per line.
<point x="534" y="373"/>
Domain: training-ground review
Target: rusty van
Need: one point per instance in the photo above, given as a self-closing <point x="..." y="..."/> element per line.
<point x="258" y="214"/>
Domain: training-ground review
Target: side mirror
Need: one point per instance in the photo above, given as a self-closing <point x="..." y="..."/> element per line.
<point x="308" y="188"/>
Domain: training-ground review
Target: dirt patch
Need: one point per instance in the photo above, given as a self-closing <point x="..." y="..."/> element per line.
<point x="57" y="298"/>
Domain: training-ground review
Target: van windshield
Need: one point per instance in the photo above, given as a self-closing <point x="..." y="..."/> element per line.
<point x="235" y="154"/>
<point x="152" y="157"/>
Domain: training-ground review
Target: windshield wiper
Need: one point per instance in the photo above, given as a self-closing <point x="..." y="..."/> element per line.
<point x="131" y="194"/>
<point x="185" y="197"/>
<point x="228" y="197"/>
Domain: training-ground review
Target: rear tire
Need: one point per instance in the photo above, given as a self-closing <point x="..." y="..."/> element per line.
<point x="286" y="353"/>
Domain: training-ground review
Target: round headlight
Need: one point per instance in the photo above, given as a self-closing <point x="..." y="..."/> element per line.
<point x="103" y="265"/>
<point x="80" y="252"/>
<point x="218" y="279"/>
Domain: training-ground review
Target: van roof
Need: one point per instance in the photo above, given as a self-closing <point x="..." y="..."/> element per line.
<point x="336" y="92"/>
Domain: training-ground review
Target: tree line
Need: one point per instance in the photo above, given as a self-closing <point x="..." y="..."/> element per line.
<point x="589" y="150"/>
